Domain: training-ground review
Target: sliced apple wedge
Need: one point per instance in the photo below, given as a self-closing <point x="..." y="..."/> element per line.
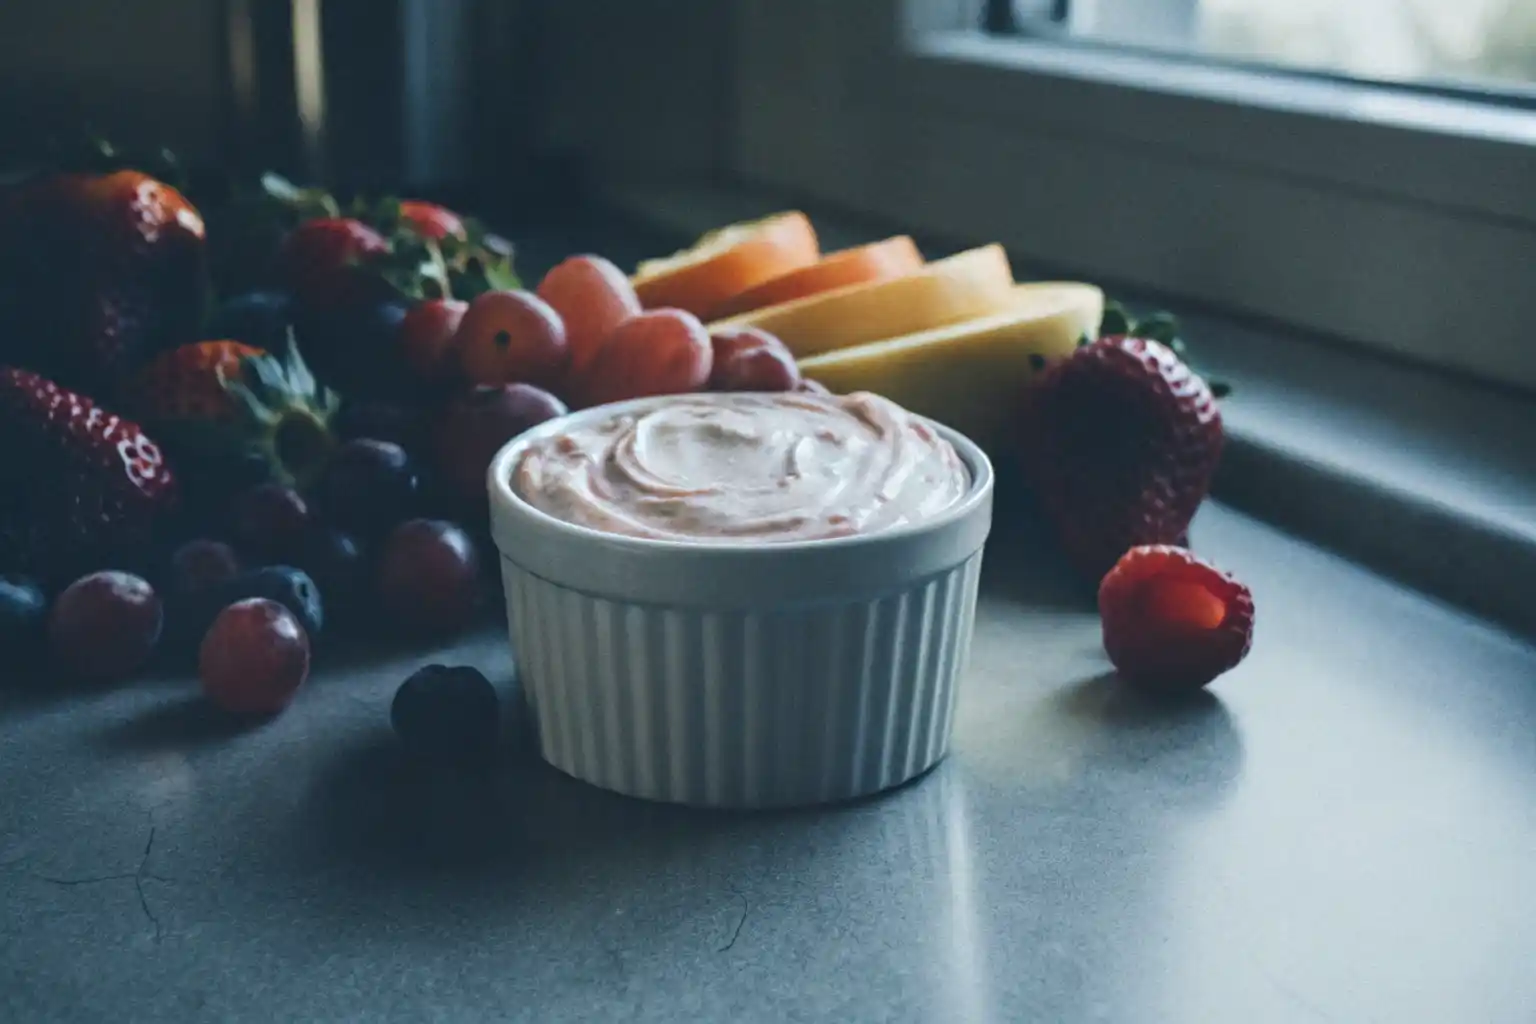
<point x="975" y="283"/>
<point x="970" y="375"/>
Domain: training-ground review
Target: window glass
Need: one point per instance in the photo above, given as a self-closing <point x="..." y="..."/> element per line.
<point x="1480" y="44"/>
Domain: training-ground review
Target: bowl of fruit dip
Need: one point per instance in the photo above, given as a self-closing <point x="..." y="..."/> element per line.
<point x="742" y="600"/>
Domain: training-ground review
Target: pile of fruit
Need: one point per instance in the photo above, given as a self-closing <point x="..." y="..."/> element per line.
<point x="232" y="437"/>
<point x="1116" y="435"/>
<point x="183" y="483"/>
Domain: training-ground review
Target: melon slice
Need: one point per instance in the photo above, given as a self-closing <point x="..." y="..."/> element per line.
<point x="877" y="261"/>
<point x="970" y="375"/>
<point x="726" y="262"/>
<point x="971" y="284"/>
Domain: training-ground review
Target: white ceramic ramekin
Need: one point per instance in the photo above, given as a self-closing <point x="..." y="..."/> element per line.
<point x="732" y="675"/>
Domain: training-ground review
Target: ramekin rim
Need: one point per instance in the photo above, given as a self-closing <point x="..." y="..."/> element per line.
<point x="503" y="494"/>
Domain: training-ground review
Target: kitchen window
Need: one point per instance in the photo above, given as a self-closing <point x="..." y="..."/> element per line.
<point x="1360" y="192"/>
<point x="1480" y="49"/>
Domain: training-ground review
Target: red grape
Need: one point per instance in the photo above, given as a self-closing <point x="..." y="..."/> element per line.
<point x="253" y="658"/>
<point x="658" y="352"/>
<point x="512" y="336"/>
<point x="200" y="564"/>
<point x="269" y="523"/>
<point x="479" y="422"/>
<point x="593" y="297"/>
<point x="104" y="626"/>
<point x="751" y="359"/>
<point x="429" y="577"/>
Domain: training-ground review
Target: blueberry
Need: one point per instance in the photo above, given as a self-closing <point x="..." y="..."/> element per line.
<point x="256" y="318"/>
<point x="351" y="347"/>
<point x="447" y="714"/>
<point x="292" y="588"/>
<point x="339" y="564"/>
<point x="404" y="423"/>
<point x="23" y="612"/>
<point x="368" y="487"/>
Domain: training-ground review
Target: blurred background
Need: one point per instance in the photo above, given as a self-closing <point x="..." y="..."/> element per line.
<point x="491" y="92"/>
<point x="1133" y="142"/>
<point x="1487" y="43"/>
<point x="375" y="93"/>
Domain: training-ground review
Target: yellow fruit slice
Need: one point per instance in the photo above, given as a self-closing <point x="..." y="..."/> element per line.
<point x="970" y="284"/>
<point x="970" y="375"/>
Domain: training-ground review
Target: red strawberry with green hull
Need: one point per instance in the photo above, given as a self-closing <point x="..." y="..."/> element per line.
<point x="431" y="221"/>
<point x="1120" y="441"/>
<point x="323" y="259"/>
<point x="80" y="488"/>
<point x="224" y="404"/>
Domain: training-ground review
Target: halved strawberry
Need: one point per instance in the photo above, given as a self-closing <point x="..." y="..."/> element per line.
<point x="1173" y="621"/>
<point x="80" y="488"/>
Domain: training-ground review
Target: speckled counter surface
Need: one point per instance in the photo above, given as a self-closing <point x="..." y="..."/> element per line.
<point x="1345" y="831"/>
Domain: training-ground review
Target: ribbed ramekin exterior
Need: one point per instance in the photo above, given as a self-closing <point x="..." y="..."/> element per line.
<point x="780" y="707"/>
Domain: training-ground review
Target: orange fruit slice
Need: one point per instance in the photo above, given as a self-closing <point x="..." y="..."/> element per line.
<point x="970" y="375"/>
<point x="726" y="262"/>
<point x="878" y="261"/>
<point x="975" y="283"/>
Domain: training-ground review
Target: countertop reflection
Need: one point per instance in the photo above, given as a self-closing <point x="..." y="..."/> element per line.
<point x="1344" y="829"/>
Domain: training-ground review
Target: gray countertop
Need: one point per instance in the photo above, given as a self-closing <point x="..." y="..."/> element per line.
<point x="1344" y="831"/>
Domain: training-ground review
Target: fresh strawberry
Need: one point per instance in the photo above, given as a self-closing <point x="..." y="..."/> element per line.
<point x="1172" y="621"/>
<point x="1119" y="442"/>
<point x="80" y="488"/>
<point x="431" y="221"/>
<point x="226" y="401"/>
<point x="318" y="255"/>
<point x="188" y="382"/>
<point x="102" y="271"/>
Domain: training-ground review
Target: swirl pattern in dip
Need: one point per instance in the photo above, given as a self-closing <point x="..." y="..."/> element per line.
<point x="746" y="467"/>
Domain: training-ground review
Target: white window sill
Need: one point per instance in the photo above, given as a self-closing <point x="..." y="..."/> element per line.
<point x="1399" y="222"/>
<point x="1489" y="174"/>
<point x="1424" y="476"/>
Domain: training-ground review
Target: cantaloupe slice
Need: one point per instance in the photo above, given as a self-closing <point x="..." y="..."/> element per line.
<point x="975" y="283"/>
<point x="970" y="375"/>
<point x="877" y="261"/>
<point x="726" y="262"/>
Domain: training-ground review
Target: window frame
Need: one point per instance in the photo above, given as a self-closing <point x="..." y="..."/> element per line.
<point x="1388" y="218"/>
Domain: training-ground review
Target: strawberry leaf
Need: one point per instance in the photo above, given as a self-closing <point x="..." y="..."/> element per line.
<point x="1161" y="327"/>
<point x="1115" y="322"/>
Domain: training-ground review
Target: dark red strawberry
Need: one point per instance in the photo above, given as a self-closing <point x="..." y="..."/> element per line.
<point x="319" y="258"/>
<point x="431" y="221"/>
<point x="1119" y="442"/>
<point x="101" y="272"/>
<point x="189" y="382"/>
<point x="1172" y="621"/>
<point x="80" y="488"/>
